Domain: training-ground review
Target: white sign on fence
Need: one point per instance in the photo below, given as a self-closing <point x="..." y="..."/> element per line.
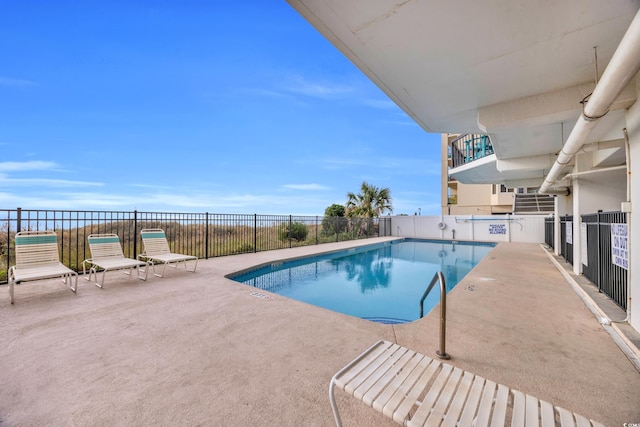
<point x="569" y="232"/>
<point x="497" y="229"/>
<point x="619" y="245"/>
<point x="583" y="243"/>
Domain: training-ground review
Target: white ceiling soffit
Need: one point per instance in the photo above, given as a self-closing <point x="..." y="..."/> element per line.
<point x="485" y="171"/>
<point x="516" y="70"/>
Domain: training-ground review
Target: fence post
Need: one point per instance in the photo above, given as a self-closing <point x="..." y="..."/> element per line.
<point x="316" y="229"/>
<point x="290" y="225"/>
<point x="255" y="233"/>
<point x="336" y="227"/>
<point x="206" y="235"/>
<point x="135" y="234"/>
<point x="18" y="220"/>
<point x="566" y="249"/>
<point x="598" y="275"/>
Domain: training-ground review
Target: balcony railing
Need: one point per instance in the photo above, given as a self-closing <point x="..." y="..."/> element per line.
<point x="469" y="147"/>
<point x="204" y="235"/>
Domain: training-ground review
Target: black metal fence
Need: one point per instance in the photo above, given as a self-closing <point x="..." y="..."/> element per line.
<point x="566" y="238"/>
<point x="204" y="235"/>
<point x="549" y="227"/>
<point x="599" y="266"/>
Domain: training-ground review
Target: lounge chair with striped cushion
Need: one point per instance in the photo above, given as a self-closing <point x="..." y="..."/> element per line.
<point x="107" y="255"/>
<point x="37" y="258"/>
<point x="416" y="390"/>
<point x="157" y="251"/>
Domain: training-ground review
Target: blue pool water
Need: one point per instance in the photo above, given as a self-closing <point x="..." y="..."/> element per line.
<point x="382" y="282"/>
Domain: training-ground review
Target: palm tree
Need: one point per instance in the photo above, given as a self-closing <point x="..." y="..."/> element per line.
<point x="371" y="202"/>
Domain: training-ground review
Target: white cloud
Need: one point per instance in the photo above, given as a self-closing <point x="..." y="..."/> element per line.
<point x="398" y="165"/>
<point x="37" y="165"/>
<point x="169" y="201"/>
<point x="270" y="93"/>
<point x="305" y="187"/>
<point x="26" y="166"/>
<point x="384" y="104"/>
<point x="46" y="182"/>
<point x="299" y="85"/>
<point x="6" y="81"/>
<point x="335" y="163"/>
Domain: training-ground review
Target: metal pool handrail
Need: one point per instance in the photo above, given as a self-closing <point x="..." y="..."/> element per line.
<point x="439" y="277"/>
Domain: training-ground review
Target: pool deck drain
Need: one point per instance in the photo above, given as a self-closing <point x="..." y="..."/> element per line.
<point x="198" y="349"/>
<point x="261" y="295"/>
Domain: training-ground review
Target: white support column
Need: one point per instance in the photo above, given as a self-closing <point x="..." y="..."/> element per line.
<point x="633" y="219"/>
<point x="577" y="246"/>
<point x="556" y="225"/>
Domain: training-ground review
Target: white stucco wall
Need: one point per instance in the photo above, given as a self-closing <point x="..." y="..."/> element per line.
<point x="605" y="192"/>
<point x="601" y="190"/>
<point x="484" y="228"/>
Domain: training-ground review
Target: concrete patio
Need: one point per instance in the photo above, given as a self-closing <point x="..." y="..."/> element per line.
<point x="199" y="349"/>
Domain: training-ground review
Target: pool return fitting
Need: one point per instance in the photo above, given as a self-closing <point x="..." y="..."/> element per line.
<point x="439" y="277"/>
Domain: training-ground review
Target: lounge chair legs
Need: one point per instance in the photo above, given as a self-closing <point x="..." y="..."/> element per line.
<point x="72" y="278"/>
<point x="138" y="268"/>
<point x="338" y="374"/>
<point x="173" y="264"/>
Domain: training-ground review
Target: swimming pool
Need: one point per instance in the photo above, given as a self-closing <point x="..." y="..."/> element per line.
<point x="382" y="282"/>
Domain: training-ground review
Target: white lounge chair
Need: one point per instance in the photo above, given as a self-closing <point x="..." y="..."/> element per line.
<point x="37" y="258"/>
<point x="156" y="250"/>
<point x="107" y="255"/>
<point x="416" y="390"/>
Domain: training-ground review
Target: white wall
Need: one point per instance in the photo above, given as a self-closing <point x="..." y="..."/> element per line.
<point x="600" y="190"/>
<point x="484" y="228"/>
<point x="606" y="195"/>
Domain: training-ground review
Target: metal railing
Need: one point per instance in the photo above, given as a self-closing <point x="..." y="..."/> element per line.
<point x="204" y="235"/>
<point x="599" y="267"/>
<point x="469" y="147"/>
<point x="549" y="227"/>
<point x="566" y="239"/>
<point x="439" y="277"/>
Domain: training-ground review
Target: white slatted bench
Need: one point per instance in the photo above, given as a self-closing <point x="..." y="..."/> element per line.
<point x="416" y="390"/>
<point x="37" y="258"/>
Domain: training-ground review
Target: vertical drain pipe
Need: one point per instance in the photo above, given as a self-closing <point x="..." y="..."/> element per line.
<point x="624" y="65"/>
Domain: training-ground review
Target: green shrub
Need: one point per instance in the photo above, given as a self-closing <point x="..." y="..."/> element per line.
<point x="333" y="222"/>
<point x="298" y="231"/>
<point x="242" y="248"/>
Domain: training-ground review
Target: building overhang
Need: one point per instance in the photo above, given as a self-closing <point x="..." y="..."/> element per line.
<point x="486" y="171"/>
<point x="518" y="73"/>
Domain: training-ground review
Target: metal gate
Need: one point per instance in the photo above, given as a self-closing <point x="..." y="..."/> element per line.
<point x="566" y="239"/>
<point x="611" y="279"/>
<point x="549" y="226"/>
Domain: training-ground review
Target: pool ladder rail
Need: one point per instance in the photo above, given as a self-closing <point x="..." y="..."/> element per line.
<point x="438" y="277"/>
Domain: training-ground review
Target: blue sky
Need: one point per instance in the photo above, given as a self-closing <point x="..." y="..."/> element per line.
<point x="195" y="106"/>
